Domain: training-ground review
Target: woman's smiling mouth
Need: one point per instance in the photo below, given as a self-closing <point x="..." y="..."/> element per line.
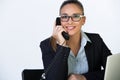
<point x="70" y="27"/>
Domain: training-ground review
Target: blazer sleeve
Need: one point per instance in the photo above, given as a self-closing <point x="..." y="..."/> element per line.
<point x="58" y="59"/>
<point x="102" y="53"/>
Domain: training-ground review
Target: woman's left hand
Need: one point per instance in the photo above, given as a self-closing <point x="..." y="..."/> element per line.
<point x="76" y="77"/>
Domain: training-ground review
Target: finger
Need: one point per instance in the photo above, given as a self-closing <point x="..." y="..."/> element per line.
<point x="54" y="28"/>
<point x="59" y="29"/>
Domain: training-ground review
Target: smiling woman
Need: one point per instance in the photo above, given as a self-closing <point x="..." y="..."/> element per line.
<point x="24" y="23"/>
<point x="80" y="57"/>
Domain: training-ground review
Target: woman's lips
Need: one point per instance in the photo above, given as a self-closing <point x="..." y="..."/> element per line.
<point x="70" y="27"/>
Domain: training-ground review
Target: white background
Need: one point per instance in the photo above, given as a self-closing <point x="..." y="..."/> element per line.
<point x="24" y="23"/>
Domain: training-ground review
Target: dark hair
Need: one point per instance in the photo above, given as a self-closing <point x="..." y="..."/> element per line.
<point x="76" y="2"/>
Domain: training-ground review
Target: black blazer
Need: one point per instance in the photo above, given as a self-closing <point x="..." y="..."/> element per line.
<point x="96" y="52"/>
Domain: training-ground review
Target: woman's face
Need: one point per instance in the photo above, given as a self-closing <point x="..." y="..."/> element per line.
<point x="72" y="27"/>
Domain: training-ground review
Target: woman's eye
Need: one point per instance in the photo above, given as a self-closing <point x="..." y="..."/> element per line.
<point x="64" y="16"/>
<point x="76" y="16"/>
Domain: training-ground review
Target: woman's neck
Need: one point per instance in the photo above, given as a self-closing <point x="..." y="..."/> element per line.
<point x="74" y="43"/>
<point x="75" y="39"/>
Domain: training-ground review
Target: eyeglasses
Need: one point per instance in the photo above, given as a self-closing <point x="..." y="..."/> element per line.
<point x="75" y="17"/>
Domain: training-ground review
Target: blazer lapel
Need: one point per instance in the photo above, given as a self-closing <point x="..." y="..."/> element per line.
<point x="89" y="50"/>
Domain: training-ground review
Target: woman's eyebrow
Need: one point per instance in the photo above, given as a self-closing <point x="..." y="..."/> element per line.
<point x="64" y="14"/>
<point x="72" y="14"/>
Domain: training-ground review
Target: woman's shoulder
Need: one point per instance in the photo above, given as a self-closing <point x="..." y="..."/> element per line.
<point x="45" y="42"/>
<point x="93" y="36"/>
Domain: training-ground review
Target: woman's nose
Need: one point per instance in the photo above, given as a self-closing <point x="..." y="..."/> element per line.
<point x="70" y="21"/>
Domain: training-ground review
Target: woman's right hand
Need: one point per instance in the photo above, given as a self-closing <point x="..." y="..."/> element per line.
<point x="57" y="34"/>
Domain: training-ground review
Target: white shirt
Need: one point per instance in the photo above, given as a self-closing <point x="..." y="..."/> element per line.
<point x="79" y="64"/>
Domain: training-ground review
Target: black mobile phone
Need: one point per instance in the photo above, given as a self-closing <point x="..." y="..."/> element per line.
<point x="64" y="34"/>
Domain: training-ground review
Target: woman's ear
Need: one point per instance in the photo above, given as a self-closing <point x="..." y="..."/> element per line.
<point x="83" y="20"/>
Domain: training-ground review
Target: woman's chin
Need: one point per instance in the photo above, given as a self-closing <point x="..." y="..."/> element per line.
<point x="71" y="34"/>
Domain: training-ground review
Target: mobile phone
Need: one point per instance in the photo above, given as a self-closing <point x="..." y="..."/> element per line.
<point x="64" y="34"/>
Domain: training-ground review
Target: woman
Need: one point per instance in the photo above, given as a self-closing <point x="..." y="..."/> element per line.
<point x="80" y="57"/>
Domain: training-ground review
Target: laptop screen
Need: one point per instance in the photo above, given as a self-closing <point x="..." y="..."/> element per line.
<point x="112" y="71"/>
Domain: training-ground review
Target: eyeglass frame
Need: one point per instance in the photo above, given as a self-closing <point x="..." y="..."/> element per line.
<point x="68" y="17"/>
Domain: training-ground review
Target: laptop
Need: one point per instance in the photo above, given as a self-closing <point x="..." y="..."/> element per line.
<point x="112" y="71"/>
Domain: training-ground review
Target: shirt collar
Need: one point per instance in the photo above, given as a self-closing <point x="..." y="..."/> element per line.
<point x="85" y="36"/>
<point x="84" y="40"/>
